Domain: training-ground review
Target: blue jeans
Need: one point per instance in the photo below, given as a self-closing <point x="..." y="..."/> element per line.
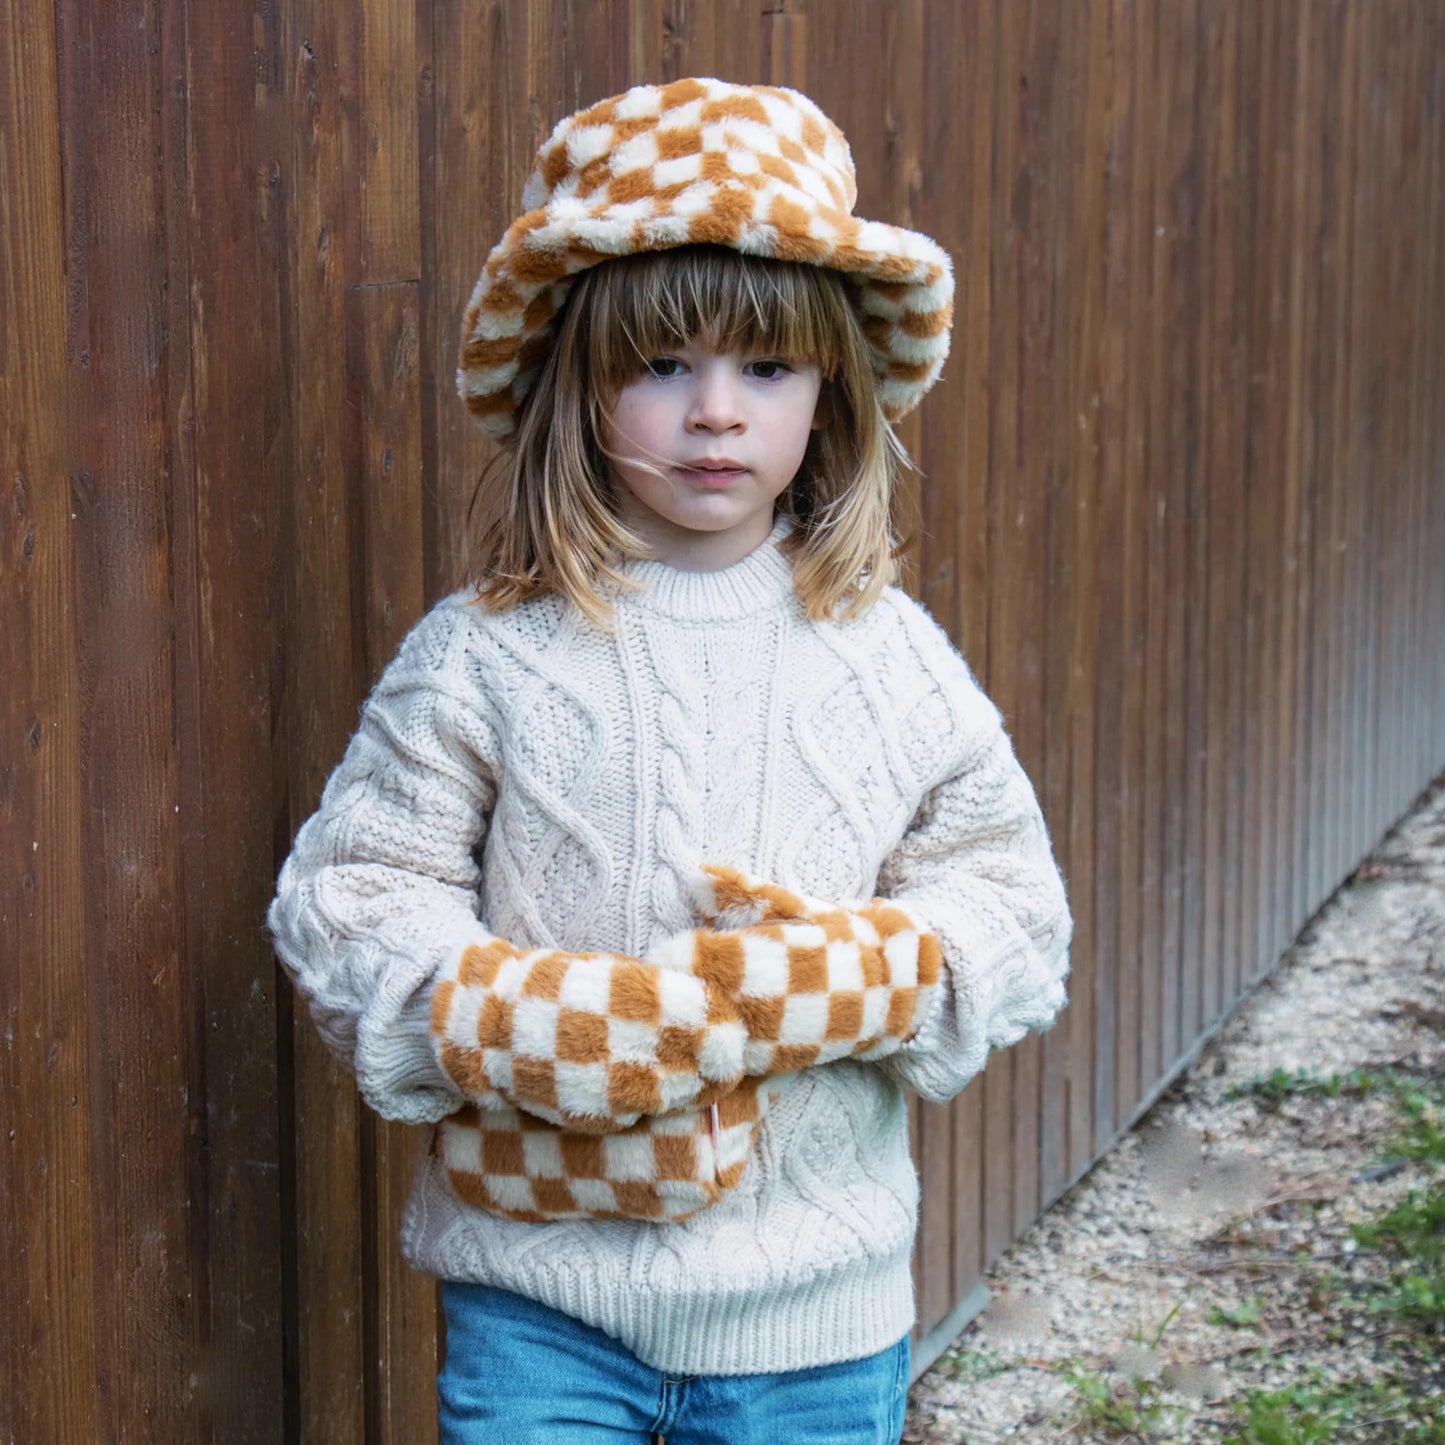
<point x="524" y="1373"/>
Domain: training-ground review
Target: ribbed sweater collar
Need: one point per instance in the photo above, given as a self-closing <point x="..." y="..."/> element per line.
<point x="760" y="581"/>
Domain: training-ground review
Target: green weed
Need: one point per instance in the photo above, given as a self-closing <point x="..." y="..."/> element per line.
<point x="1280" y="1084"/>
<point x="1240" y="1316"/>
<point x="1319" y="1412"/>
<point x="1127" y="1402"/>
<point x="970" y="1366"/>
<point x="1412" y="1234"/>
<point x="1122" y="1406"/>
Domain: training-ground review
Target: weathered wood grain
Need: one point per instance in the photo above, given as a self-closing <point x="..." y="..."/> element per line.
<point x="54" y="1346"/>
<point x="1180" y="502"/>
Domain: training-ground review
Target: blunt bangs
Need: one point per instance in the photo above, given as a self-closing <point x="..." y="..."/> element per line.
<point x="543" y="517"/>
<point x="642" y="306"/>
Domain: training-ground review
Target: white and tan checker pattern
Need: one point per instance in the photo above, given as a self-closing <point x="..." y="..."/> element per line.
<point x="663" y="1169"/>
<point x="813" y="982"/>
<point x="757" y="168"/>
<point x="591" y="1041"/>
<point x="602" y="1086"/>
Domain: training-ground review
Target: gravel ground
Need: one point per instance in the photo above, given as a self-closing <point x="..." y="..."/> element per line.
<point x="1209" y="1252"/>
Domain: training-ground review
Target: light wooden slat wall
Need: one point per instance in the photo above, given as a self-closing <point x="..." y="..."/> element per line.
<point x="1182" y="505"/>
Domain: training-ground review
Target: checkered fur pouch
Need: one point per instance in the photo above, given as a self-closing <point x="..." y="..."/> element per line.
<point x="665" y="1169"/>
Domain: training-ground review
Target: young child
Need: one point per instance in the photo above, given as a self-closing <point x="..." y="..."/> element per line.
<point x="678" y="844"/>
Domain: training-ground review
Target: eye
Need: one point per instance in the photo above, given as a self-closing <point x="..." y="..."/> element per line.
<point x="769" y="368"/>
<point x="663" y="366"/>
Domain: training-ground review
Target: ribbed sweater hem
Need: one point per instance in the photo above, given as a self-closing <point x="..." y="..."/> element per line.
<point x="844" y="1314"/>
<point x="816" y="1322"/>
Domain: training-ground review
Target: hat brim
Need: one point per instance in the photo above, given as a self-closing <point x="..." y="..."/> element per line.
<point x="902" y="282"/>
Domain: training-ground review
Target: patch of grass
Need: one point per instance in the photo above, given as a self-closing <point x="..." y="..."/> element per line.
<point x="970" y="1366"/>
<point x="1319" y="1412"/>
<point x="1127" y="1402"/>
<point x="1413" y="1235"/>
<point x="1240" y="1316"/>
<point x="1274" y="1088"/>
<point x="1300" y="1414"/>
<point x="1410" y="1301"/>
<point x="1121" y="1406"/>
<point x="1422" y="1125"/>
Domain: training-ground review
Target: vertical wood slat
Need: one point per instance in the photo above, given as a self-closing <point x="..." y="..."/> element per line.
<point x="1220" y="434"/>
<point x="959" y="115"/>
<point x="1089" y="1034"/>
<point x="383" y="323"/>
<point x="321" y="688"/>
<point x="1120" y="688"/>
<point x="129" y="766"/>
<point x="1094" y="1114"/>
<point x="233" y="364"/>
<point x="383" y="330"/>
<point x="46" y="1168"/>
<point x="225" y="513"/>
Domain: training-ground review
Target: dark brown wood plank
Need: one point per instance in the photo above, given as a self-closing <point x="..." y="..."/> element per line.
<point x="323" y="682"/>
<point x="226" y="507"/>
<point x="52" y="1345"/>
<point x="1015" y="530"/>
<point x="1092" y="1113"/>
<point x="1324" y="738"/>
<point x="383" y="329"/>
<point x="958" y="111"/>
<point x="1364" y="405"/>
<point x="1154" y="993"/>
<point x="1296" y="519"/>
<point x="1255" y="145"/>
<point x="1420" y="182"/>
<point x="1176" y="309"/>
<point x="1199" y="539"/>
<point x="1129" y="282"/>
<point x="1219" y="477"/>
<point x="135" y="947"/>
<point x="386" y="142"/>
<point x="1432" y="386"/>
<point x="1340" y="163"/>
<point x="1072" y="611"/>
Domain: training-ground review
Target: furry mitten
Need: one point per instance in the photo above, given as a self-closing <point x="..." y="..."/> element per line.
<point x="812" y="982"/>
<point x="591" y="1041"/>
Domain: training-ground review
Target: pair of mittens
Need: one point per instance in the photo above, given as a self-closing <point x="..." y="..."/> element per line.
<point x="602" y="1086"/>
<point x="597" y="1041"/>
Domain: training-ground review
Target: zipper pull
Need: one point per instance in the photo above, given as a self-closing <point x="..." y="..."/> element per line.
<point x="716" y="1143"/>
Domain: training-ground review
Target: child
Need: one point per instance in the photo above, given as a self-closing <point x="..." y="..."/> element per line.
<point x="589" y="891"/>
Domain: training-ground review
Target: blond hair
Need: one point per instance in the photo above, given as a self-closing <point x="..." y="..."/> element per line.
<point x="552" y="525"/>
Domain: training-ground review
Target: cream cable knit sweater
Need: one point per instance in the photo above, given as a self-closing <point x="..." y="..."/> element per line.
<point x="566" y="785"/>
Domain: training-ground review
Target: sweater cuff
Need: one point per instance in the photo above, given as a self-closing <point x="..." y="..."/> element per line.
<point x="396" y="1056"/>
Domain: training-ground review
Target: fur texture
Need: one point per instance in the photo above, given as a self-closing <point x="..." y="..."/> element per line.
<point x="674" y="1059"/>
<point x="755" y="167"/>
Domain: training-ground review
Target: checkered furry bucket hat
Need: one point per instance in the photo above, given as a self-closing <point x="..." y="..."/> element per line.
<point x="756" y="167"/>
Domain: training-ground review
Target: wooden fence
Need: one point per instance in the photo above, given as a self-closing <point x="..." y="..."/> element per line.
<point x="1183" y="508"/>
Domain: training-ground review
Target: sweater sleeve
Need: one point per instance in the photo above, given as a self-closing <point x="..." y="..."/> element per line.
<point x="975" y="863"/>
<point x="381" y="886"/>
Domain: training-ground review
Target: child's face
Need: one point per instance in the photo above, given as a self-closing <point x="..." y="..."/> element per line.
<point x="704" y="442"/>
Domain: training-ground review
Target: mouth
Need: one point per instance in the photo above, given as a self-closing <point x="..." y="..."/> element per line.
<point x="712" y="471"/>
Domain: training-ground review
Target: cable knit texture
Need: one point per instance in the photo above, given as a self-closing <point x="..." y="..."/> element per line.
<point x="526" y="776"/>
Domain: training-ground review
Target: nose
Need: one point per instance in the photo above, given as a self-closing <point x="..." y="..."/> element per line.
<point x="714" y="404"/>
